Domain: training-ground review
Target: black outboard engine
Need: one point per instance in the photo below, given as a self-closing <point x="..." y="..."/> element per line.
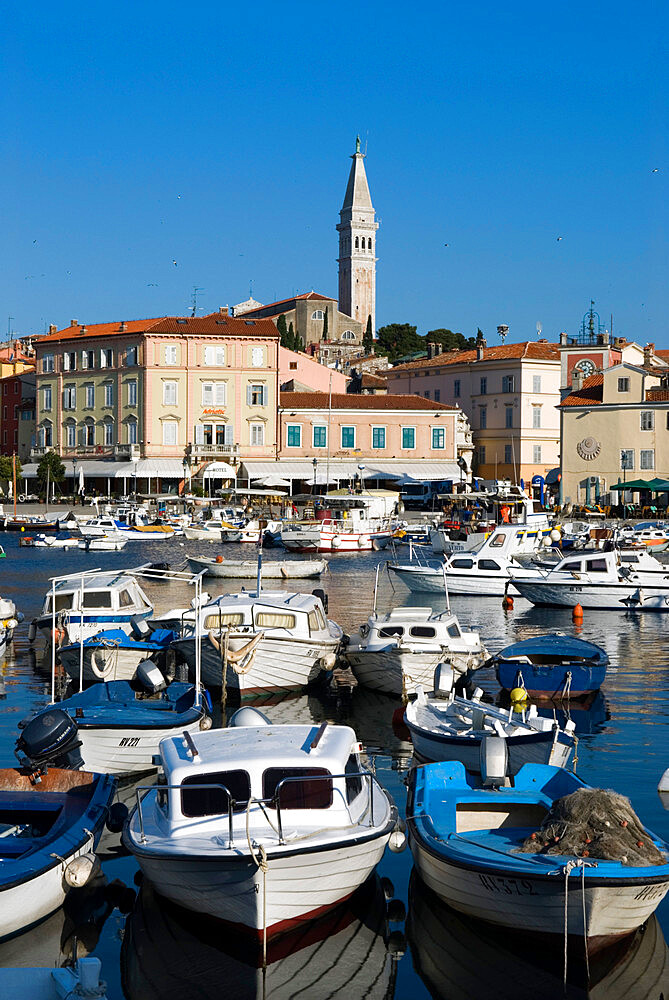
<point x="51" y="739"/>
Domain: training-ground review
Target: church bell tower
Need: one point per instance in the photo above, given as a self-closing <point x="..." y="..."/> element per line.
<point x="357" y="246"/>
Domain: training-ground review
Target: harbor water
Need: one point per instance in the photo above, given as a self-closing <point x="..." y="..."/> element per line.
<point x="375" y="947"/>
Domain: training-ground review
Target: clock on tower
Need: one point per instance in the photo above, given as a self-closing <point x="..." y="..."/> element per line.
<point x="586" y="367"/>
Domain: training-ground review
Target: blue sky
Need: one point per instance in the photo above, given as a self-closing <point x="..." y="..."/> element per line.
<point x="218" y="135"/>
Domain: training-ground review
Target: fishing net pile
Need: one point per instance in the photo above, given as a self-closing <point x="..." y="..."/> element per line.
<point x="594" y="823"/>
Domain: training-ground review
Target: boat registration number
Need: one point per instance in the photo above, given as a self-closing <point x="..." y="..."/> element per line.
<point x="129" y="741"/>
<point x="576" y="590"/>
<point x="651" y="892"/>
<point x="509" y="886"/>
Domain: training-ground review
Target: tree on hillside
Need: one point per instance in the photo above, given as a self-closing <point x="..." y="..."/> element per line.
<point x="283" y="330"/>
<point x="325" y="325"/>
<point x="368" y="338"/>
<point x="479" y="337"/>
<point x="397" y="339"/>
<point x="50" y="468"/>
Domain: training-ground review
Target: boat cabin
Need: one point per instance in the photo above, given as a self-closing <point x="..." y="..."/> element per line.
<point x="109" y="594"/>
<point x="276" y="613"/>
<point x="415" y="626"/>
<point x="312" y="776"/>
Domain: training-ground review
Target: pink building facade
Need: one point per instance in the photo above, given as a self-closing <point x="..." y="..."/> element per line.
<point x="301" y="369"/>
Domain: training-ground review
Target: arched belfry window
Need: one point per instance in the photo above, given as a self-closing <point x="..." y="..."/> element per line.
<point x="317" y="314"/>
<point x="357" y="245"/>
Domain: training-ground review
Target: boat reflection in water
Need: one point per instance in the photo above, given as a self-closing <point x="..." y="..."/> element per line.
<point x="169" y="953"/>
<point x="459" y="957"/>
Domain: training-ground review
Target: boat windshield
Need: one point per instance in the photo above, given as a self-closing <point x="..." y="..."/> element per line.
<point x="214" y="801"/>
<point x="300" y="793"/>
<point x="97" y="599"/>
<point x="224" y="618"/>
<point x="63" y="603"/>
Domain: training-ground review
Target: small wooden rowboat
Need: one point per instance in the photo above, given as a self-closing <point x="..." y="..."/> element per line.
<point x="247" y="569"/>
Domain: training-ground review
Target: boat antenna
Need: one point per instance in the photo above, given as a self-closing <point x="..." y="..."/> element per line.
<point x="259" y="576"/>
<point x="376" y="586"/>
<point x="443" y="570"/>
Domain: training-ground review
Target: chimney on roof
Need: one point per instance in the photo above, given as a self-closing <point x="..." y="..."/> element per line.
<point x="83" y="331"/>
<point x="480" y="347"/>
<point x="53" y="328"/>
<point x="431" y="349"/>
<point x="124" y="326"/>
<point x="577" y="380"/>
<point x="563" y="339"/>
<point x="73" y="322"/>
<point x="542" y="340"/>
<point x="648" y="352"/>
<point x="223" y="310"/>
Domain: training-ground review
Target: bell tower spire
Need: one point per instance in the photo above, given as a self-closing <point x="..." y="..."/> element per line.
<point x="357" y="246"/>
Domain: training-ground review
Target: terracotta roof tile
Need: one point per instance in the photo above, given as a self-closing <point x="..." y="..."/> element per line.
<point x="215" y="324"/>
<point x="353" y="401"/>
<point x="530" y="349"/>
<point x="589" y="394"/>
<point x="657" y="395"/>
<point x="370" y="381"/>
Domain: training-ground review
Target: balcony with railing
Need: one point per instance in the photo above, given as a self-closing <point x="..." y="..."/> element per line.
<point x="202" y="452"/>
<point x="131" y="452"/>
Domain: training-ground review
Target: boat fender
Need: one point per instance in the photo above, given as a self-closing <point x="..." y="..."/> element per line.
<point x="388" y="888"/>
<point x="336" y="541"/>
<point x="397" y="841"/>
<point x="205" y="723"/>
<point x="80" y="871"/>
<point x="322" y="596"/>
<point x="328" y="661"/>
<point x="32" y="632"/>
<point x="396" y="911"/>
<point x="98" y="667"/>
<point x="219" y="559"/>
<point x="206" y="697"/>
<point x="118" y="814"/>
<point x="518" y="695"/>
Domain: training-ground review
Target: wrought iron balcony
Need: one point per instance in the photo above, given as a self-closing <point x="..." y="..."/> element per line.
<point x="200" y="452"/>
<point x="131" y="452"/>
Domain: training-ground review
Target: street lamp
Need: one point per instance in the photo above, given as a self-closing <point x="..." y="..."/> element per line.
<point x="186" y="476"/>
<point x="314" y="462"/>
<point x="134" y="472"/>
<point x="74" y="482"/>
<point x="361" y="469"/>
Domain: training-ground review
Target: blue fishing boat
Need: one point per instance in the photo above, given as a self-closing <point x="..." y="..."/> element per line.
<point x="552" y="666"/>
<point x="46" y="822"/>
<point x="469" y="845"/>
<point x="114" y="655"/>
<point x="117" y="728"/>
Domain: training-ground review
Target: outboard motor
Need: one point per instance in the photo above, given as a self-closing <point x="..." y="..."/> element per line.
<point x="494" y="760"/>
<point x="443" y="680"/>
<point x="150" y="676"/>
<point x="51" y="739"/>
<point x="248" y="716"/>
<point x="319" y="592"/>
<point x="139" y="628"/>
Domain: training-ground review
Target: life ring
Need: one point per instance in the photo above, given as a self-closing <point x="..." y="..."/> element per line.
<point x="335" y="541"/>
<point x="100" y="673"/>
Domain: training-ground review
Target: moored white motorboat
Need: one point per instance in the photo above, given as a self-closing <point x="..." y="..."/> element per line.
<point x="397" y="652"/>
<point x="44" y="826"/>
<point x="261" y="642"/>
<point x="595" y="580"/>
<point x="451" y="727"/>
<point x="48" y="541"/>
<point x="261" y="826"/>
<point x="246" y="569"/>
<point x="466" y="843"/>
<point x="348" y="524"/>
<point x="111" y="541"/>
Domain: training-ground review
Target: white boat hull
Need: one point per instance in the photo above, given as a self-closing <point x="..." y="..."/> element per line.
<point x="602" y="597"/>
<point x="247" y="569"/>
<point x="27" y="903"/>
<point x="203" y="534"/>
<point x="295" y="888"/>
<point x="398" y="673"/>
<point x="315" y="539"/>
<point x="127" y="749"/>
<point x="277" y="664"/>
<point x="538" y="904"/>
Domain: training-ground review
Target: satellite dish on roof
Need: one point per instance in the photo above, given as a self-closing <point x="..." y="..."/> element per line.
<point x="539" y="329"/>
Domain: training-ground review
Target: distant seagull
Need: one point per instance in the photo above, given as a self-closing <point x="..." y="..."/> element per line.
<point x="175" y="263"/>
<point x="559" y="238"/>
<point x="34" y="241"/>
<point x="178" y="196"/>
<point x="655" y="170"/>
<point x="446" y="244"/>
<point x="28" y="276"/>
<point x="152" y="284"/>
<point x="68" y="272"/>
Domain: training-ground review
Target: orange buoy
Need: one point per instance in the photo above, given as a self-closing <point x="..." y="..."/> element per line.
<point x="219" y="559"/>
<point x="577" y="613"/>
<point x="507" y="603"/>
